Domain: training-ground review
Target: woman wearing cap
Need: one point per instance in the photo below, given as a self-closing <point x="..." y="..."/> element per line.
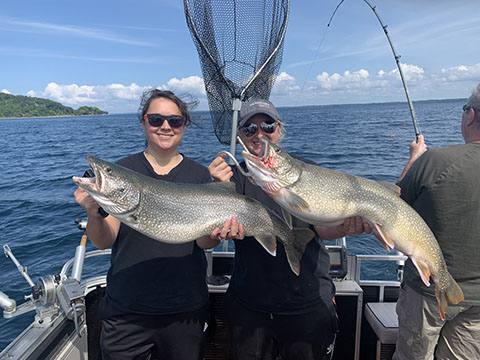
<point x="271" y="311"/>
<point x="155" y="304"/>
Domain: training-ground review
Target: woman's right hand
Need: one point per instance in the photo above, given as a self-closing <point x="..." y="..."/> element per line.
<point x="86" y="202"/>
<point x="219" y="170"/>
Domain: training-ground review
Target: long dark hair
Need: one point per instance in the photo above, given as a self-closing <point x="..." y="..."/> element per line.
<point x="184" y="106"/>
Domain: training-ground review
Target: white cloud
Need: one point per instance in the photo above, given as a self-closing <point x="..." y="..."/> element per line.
<point x="193" y="85"/>
<point x="350" y="86"/>
<point x="5" y="91"/>
<point x="285" y="84"/>
<point x="461" y="73"/>
<point x="114" y="97"/>
<point x="362" y="86"/>
<point x="411" y="72"/>
<point x="347" y="80"/>
<point x="362" y="79"/>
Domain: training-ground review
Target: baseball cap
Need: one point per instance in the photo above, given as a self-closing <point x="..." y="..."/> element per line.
<point x="253" y="107"/>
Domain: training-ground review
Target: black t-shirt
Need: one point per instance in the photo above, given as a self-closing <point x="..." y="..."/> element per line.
<point x="150" y="277"/>
<point x="266" y="283"/>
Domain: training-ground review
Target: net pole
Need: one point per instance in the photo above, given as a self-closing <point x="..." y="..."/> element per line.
<point x="236" y="106"/>
<point x="397" y="60"/>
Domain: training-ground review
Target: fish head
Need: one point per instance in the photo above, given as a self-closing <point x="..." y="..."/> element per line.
<point x="272" y="169"/>
<point x="113" y="187"/>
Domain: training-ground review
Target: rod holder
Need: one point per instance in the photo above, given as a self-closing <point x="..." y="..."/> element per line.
<point x="21" y="269"/>
<point x="77" y="268"/>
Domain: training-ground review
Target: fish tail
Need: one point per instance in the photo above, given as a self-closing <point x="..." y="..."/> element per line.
<point x="452" y="295"/>
<point x="295" y="250"/>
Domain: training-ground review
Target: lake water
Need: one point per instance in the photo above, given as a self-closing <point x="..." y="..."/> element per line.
<point x="39" y="156"/>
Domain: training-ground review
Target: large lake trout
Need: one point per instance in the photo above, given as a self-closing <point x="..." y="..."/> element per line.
<point x="325" y="197"/>
<point x="179" y="213"/>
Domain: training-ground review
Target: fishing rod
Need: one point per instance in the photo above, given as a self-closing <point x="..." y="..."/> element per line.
<point x="397" y="60"/>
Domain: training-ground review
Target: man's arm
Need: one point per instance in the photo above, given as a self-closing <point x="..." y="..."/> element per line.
<point x="417" y="148"/>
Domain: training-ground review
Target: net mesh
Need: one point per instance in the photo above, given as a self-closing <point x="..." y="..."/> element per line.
<point x="240" y="46"/>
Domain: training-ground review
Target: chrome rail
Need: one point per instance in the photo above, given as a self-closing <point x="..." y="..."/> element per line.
<point x="382" y="284"/>
<point x="90" y="254"/>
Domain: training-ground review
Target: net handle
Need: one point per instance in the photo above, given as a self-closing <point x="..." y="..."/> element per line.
<point x="236" y="106"/>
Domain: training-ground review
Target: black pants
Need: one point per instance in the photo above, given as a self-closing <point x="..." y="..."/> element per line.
<point x="172" y="337"/>
<point x="258" y="335"/>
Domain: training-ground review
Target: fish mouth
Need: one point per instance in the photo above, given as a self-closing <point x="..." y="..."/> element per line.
<point x="258" y="159"/>
<point x="91" y="184"/>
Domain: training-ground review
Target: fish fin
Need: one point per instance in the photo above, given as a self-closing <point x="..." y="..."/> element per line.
<point x="295" y="201"/>
<point x="295" y="250"/>
<point x="269" y="243"/>
<point x="452" y="295"/>
<point x="392" y="187"/>
<point x="423" y="270"/>
<point x="442" y="302"/>
<point x="454" y="292"/>
<point x="273" y="186"/>
<point x="288" y="218"/>
<point x="226" y="185"/>
<point x="382" y="236"/>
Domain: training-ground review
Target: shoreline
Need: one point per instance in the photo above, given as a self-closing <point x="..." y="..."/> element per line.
<point x="49" y="116"/>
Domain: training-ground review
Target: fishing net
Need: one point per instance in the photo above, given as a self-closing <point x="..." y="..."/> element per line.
<point x="240" y="46"/>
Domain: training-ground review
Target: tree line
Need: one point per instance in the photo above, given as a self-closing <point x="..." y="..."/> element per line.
<point x="26" y="106"/>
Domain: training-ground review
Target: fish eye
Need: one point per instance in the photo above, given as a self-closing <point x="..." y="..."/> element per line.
<point x="108" y="170"/>
<point x="278" y="150"/>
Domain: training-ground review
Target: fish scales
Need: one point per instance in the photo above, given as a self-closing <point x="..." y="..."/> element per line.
<point x="325" y="197"/>
<point x="351" y="196"/>
<point x="179" y="213"/>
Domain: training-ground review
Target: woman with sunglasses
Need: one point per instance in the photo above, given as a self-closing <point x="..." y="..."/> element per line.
<point x="155" y="304"/>
<point x="272" y="311"/>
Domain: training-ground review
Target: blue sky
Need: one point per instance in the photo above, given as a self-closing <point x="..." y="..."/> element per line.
<point x="105" y="53"/>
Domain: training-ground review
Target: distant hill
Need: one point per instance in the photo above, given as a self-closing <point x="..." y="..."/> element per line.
<point x="26" y="106"/>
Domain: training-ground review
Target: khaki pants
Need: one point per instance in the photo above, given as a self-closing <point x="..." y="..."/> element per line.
<point x="420" y="329"/>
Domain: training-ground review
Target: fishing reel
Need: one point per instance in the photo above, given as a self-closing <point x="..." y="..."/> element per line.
<point x="48" y="296"/>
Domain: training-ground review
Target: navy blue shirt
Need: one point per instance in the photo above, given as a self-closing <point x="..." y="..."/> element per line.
<point x="147" y="276"/>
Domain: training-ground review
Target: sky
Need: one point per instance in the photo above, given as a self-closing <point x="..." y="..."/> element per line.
<point x="106" y="53"/>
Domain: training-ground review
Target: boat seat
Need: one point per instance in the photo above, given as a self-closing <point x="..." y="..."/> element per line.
<point x="382" y="317"/>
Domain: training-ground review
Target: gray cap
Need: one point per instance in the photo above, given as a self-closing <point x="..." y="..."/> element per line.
<point x="253" y="107"/>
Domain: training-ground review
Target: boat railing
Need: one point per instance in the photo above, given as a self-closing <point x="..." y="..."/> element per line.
<point x="381" y="284"/>
<point x="89" y="254"/>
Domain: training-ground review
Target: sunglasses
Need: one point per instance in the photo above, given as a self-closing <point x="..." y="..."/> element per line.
<point x="467" y="108"/>
<point x="268" y="127"/>
<point x="156" y="120"/>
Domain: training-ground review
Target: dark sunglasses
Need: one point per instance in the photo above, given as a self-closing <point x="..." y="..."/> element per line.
<point x="467" y="108"/>
<point x="268" y="127"/>
<point x="156" y="120"/>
